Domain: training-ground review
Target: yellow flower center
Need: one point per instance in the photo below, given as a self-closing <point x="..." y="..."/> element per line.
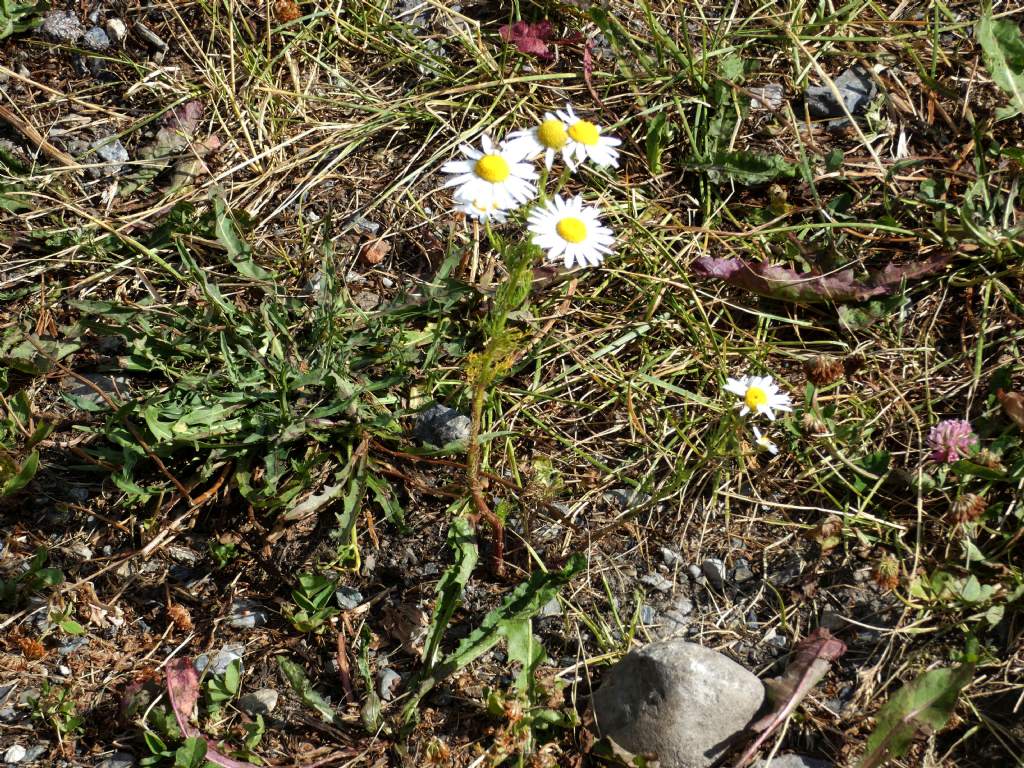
<point x="755" y="397"/>
<point x="584" y="132"/>
<point x="571" y="229"/>
<point x="552" y="134"/>
<point x="492" y="168"/>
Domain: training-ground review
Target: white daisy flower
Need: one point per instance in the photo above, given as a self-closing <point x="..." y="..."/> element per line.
<point x="547" y="138"/>
<point x="495" y="177"/>
<point x="760" y="395"/>
<point x="585" y="141"/>
<point x="764" y="443"/>
<point x="482" y="210"/>
<point x="571" y="231"/>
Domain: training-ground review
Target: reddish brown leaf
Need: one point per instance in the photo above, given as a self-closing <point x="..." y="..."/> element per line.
<point x="185" y="117"/>
<point x="183" y="691"/>
<point x="812" y="658"/>
<point x="529" y="37"/>
<point x="787" y="284"/>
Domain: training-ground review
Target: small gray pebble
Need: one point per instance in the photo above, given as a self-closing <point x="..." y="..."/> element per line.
<point x="111" y="152"/>
<point x="440" y="425"/>
<point x="261" y="702"/>
<point x="35" y="752"/>
<point x="551" y="608"/>
<point x="246" y="614"/>
<point x="225" y="656"/>
<point x="657" y="581"/>
<point x="81" y="549"/>
<point x="8" y="715"/>
<point x="96" y="39"/>
<point x="15" y="754"/>
<point x="742" y="572"/>
<point x="387" y="683"/>
<point x="348" y="598"/>
<point x="6" y="690"/>
<point x="856" y="87"/>
<point x="63" y="26"/>
<point x="714" y="571"/>
<point x="792" y="761"/>
<point x="694" y="571"/>
<point x="766" y="98"/>
<point x="118" y="760"/>
<point x="671" y="557"/>
<point x="648" y="615"/>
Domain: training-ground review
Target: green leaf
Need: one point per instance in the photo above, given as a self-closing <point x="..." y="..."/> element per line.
<point x="523" y="603"/>
<point x="526" y="650"/>
<point x="296" y="676"/>
<point x="191" y="754"/>
<point x="22" y="477"/>
<point x="920" y="707"/>
<point x="239" y="251"/>
<point x="72" y="627"/>
<point x="1003" y="50"/>
<point x="16" y="18"/>
<point x="749" y="168"/>
<point x="462" y="542"/>
<point x="858" y="317"/>
<point x="967" y="467"/>
<point x="659" y="133"/>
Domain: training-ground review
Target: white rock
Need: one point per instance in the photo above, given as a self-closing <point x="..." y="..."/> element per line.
<point x="116" y="30"/>
<point x="261" y="702"/>
<point x="683" y="702"/>
<point x="792" y="761"/>
<point x="14" y="754"/>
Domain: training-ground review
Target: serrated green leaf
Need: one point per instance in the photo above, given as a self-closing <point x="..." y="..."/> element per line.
<point x="749" y="168"/>
<point x="520" y="605"/>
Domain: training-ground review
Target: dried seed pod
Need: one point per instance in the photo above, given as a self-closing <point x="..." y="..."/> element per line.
<point x="812" y="424"/>
<point x="31" y="648"/>
<point x="987" y="458"/>
<point x="286" y="10"/>
<point x="1013" y="406"/>
<point x="968" y="507"/>
<point x="822" y="370"/>
<point x="887" y="573"/>
<point x="852" y="363"/>
<point x="180" y="616"/>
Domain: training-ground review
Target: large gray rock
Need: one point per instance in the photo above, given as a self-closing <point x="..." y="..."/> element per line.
<point x="792" y="761"/>
<point x="683" y="702"/>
